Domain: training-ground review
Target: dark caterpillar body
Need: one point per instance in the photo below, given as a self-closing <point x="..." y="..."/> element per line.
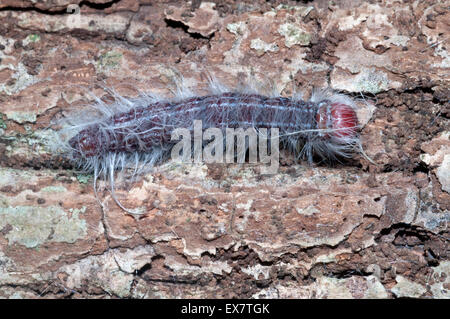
<point x="143" y="128"/>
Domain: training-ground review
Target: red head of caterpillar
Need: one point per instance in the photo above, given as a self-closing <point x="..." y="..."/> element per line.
<point x="338" y="120"/>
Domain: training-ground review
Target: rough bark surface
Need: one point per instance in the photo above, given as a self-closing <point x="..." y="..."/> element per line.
<point x="354" y="230"/>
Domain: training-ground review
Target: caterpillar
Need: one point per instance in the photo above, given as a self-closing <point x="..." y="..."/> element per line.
<point x="137" y="132"/>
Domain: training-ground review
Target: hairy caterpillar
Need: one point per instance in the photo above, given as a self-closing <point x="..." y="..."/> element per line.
<point x="137" y="132"/>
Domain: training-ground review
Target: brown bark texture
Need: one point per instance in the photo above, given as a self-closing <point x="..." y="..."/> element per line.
<point x="350" y="230"/>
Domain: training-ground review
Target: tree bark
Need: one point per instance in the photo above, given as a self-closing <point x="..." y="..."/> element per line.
<point x="352" y="230"/>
